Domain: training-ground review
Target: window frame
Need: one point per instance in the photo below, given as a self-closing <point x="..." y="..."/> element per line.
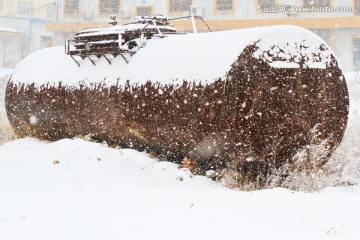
<point x="49" y="41"/>
<point x="104" y="14"/>
<point x="330" y="4"/>
<point x="151" y="6"/>
<point x="258" y="7"/>
<point x="330" y="39"/>
<point x="353" y="52"/>
<point x="50" y="12"/>
<point x="354" y="4"/>
<point x="72" y="15"/>
<point x="176" y="13"/>
<point x="217" y="11"/>
<point x="25" y="13"/>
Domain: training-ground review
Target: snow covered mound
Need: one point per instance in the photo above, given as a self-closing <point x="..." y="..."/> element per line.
<point x="72" y="189"/>
<point x="205" y="56"/>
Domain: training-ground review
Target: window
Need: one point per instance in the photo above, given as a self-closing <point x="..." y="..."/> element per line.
<point x="25" y="8"/>
<point x="316" y="3"/>
<point x="72" y="7"/>
<point x="50" y="12"/>
<point x="356" y="49"/>
<point x="45" y="41"/>
<point x="267" y="6"/>
<point x="144" y="11"/>
<point x="109" y="6"/>
<point x="324" y="34"/>
<point x="180" y="5"/>
<point x="357" y="7"/>
<point x="224" y="5"/>
<point x="263" y="3"/>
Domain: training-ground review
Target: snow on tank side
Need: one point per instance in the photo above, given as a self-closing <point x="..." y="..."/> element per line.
<point x="254" y="97"/>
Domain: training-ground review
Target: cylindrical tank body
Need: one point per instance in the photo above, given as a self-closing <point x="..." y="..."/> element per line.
<point x="252" y="96"/>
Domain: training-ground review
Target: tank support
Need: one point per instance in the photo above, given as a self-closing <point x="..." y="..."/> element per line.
<point x="108" y="60"/>
<point x="127" y="61"/>
<point x="92" y="61"/>
<point x="75" y="60"/>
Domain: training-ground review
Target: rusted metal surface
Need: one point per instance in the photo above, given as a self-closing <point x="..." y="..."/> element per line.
<point x="260" y="116"/>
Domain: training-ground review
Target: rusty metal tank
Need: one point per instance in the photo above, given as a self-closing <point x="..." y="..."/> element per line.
<point x="253" y="96"/>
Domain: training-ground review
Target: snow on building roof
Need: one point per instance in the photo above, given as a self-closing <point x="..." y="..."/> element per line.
<point x="9" y="30"/>
<point x="204" y="56"/>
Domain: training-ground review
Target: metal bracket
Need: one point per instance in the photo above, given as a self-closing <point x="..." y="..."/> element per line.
<point x="127" y="61"/>
<point x="108" y="60"/>
<point x="75" y="60"/>
<point x="92" y="61"/>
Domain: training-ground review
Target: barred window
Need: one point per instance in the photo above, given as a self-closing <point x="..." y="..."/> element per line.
<point x="325" y="34"/>
<point x="357" y="7"/>
<point x="46" y="41"/>
<point x="262" y="3"/>
<point x="224" y="5"/>
<point x="144" y="11"/>
<point x="25" y="8"/>
<point x="356" y="47"/>
<point x="72" y="7"/>
<point x="109" y="6"/>
<point x="316" y="3"/>
<point x="50" y="10"/>
<point x="267" y="6"/>
<point x="180" y="5"/>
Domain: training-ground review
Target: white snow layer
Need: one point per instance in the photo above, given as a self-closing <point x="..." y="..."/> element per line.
<point x="72" y="189"/>
<point x="203" y="56"/>
<point x="9" y="30"/>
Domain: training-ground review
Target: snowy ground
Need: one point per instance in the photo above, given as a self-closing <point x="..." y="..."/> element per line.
<point x="73" y="189"/>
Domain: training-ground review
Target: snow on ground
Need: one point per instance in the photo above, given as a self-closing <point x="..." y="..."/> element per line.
<point x="96" y="192"/>
<point x="73" y="189"/>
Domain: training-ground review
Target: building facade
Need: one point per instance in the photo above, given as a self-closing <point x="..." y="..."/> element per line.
<point x="28" y="17"/>
<point x="336" y="21"/>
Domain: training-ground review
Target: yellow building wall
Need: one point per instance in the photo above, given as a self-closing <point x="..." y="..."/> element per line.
<point x="39" y="7"/>
<point x="216" y="25"/>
